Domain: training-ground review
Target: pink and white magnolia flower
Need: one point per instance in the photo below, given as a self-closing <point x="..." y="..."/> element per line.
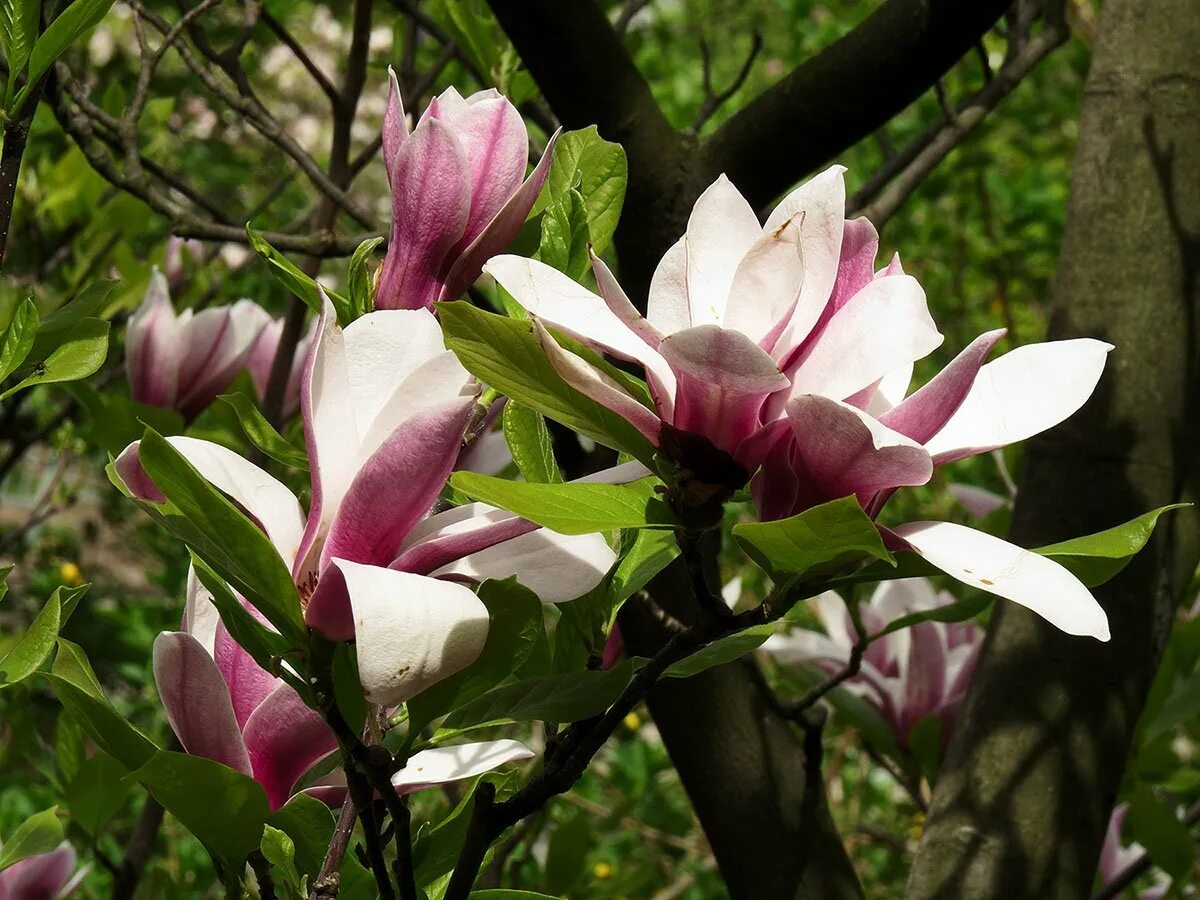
<point x="262" y="357"/>
<point x="385" y="407"/>
<point x="223" y="706"/>
<point x="459" y="193"/>
<point x="184" y="361"/>
<point x="1115" y="859"/>
<point x="907" y="675"/>
<point x="46" y="876"/>
<point x="785" y="348"/>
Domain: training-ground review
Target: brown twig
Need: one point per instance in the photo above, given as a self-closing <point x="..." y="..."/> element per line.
<point x="713" y="100"/>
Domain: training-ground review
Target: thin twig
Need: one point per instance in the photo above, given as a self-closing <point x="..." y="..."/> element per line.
<point x="328" y="880"/>
<point x="630" y="9"/>
<point x="713" y="100"/>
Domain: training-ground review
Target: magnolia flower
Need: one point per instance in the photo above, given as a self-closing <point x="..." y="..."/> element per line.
<point x="385" y="407"/>
<point x="46" y="876"/>
<point x="1115" y="859"/>
<point x="173" y="257"/>
<point x="184" y="361"/>
<point x="912" y="673"/>
<point x="262" y="358"/>
<point x="459" y="193"/>
<point x="784" y="348"/>
<point x="223" y="706"/>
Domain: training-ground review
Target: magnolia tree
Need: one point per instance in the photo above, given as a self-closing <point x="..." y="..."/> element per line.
<point x="475" y="466"/>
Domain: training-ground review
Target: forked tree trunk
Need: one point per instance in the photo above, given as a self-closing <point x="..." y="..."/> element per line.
<point x="1033" y="770"/>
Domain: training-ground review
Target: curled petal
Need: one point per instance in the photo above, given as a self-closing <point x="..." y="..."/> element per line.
<point x="395" y="123"/>
<point x="197" y="701"/>
<point x="618" y="301"/>
<point x="497" y="146"/>
<point x="248" y="683"/>
<point x="284" y="739"/>
<point x="998" y="567"/>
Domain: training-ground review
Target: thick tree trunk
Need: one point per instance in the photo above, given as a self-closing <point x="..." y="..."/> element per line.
<point x="1034" y="767"/>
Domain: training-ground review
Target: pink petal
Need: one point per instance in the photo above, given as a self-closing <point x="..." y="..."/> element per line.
<point x="618" y="301"/>
<point x="395" y="124"/>
<point x="45" y="876"/>
<point x="841" y="451"/>
<point x="922" y="414"/>
<point x="723" y="378"/>
<point x="500" y="231"/>
<point x="922" y="674"/>
<point x="215" y="344"/>
<point x="977" y="501"/>
<point x="248" y="683"/>
<point x="284" y="739"/>
<point x="152" y="347"/>
<point x="396" y="487"/>
<point x="197" y="701"/>
<point x="431" y="197"/>
<point x="856" y="262"/>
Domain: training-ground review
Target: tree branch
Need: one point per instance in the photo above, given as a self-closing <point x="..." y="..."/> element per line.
<point x="846" y="91"/>
<point x="714" y="100"/>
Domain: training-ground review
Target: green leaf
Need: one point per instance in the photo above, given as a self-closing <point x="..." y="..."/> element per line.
<point x="89" y="303"/>
<point x="1182" y="705"/>
<point x="1155" y="827"/>
<point x="96" y="792"/>
<point x="474" y="29"/>
<point x="222" y="807"/>
<point x="435" y="851"/>
<point x="297" y="282"/>
<point x="262" y="434"/>
<point x="515" y="615"/>
<point x="111" y="731"/>
<point x="71" y="663"/>
<point x="76" y="19"/>
<point x="221" y="534"/>
<point x="510" y="894"/>
<point x="263" y="645"/>
<point x="925" y="743"/>
<point x="18" y="32"/>
<point x="18" y="336"/>
<point x="565" y="697"/>
<point x="530" y="443"/>
<point x="566" y="856"/>
<point x="645" y="553"/>
<point x="565" y="237"/>
<point x="830" y="535"/>
<point x="309" y="823"/>
<point x="39" y="833"/>
<point x="1095" y="558"/>
<point x="504" y="354"/>
<point x="116" y="421"/>
<point x="958" y="611"/>
<point x="359" y="279"/>
<point x="81" y="354"/>
<point x="572" y="508"/>
<point x="280" y="851"/>
<point x="598" y="170"/>
<point x="34" y="645"/>
<point x="5" y="571"/>
<point x="721" y="651"/>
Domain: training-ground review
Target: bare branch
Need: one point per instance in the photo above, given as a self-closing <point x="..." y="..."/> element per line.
<point x="288" y="40"/>
<point x="630" y="9"/>
<point x="714" y="100"/>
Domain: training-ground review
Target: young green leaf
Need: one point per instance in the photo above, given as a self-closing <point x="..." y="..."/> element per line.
<point x="280" y="850"/>
<point x="221" y="534"/>
<point x="39" y="833"/>
<point x="1095" y="558"/>
<point x="958" y="611"/>
<point x="721" y="651"/>
<point x="5" y="571"/>
<point x="309" y="824"/>
<point x="290" y="276"/>
<point x="90" y="303"/>
<point x="566" y="697"/>
<point x="831" y="534"/>
<point x="72" y="23"/>
<point x="565" y="236"/>
<point x="262" y="434"/>
<point x="81" y="354"/>
<point x="645" y="552"/>
<point x="71" y="663"/>
<point x="573" y="508"/>
<point x="359" y="279"/>
<point x="222" y="807"/>
<point x="504" y="354"/>
<point x="598" y="170"/>
<point x="530" y="444"/>
<point x="34" y="645"/>
<point x="18" y="32"/>
<point x="18" y="337"/>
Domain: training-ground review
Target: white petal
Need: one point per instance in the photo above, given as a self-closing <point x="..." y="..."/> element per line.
<point x="1021" y="394"/>
<point x="720" y="231"/>
<point x="667" y="309"/>
<point x="804" y="646"/>
<point x="821" y="201"/>
<point x="1001" y="568"/>
<point x="382" y="349"/>
<point x="411" y="631"/>
<point x="767" y="283"/>
<point x="200" y="616"/>
<point x="892" y="388"/>
<point x="884" y="326"/>
<point x="443" y="764"/>
<point x="556" y="567"/>
<point x="439" y="380"/>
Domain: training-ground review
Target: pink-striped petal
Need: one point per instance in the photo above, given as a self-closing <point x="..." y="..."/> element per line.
<point x="395" y="123"/>
<point x="152" y="348"/>
<point x="431" y="198"/>
<point x="45" y="876"/>
<point x="248" y="683"/>
<point x="284" y="739"/>
<point x="197" y="701"/>
<point x="499" y="232"/>
<point x="723" y="377"/>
